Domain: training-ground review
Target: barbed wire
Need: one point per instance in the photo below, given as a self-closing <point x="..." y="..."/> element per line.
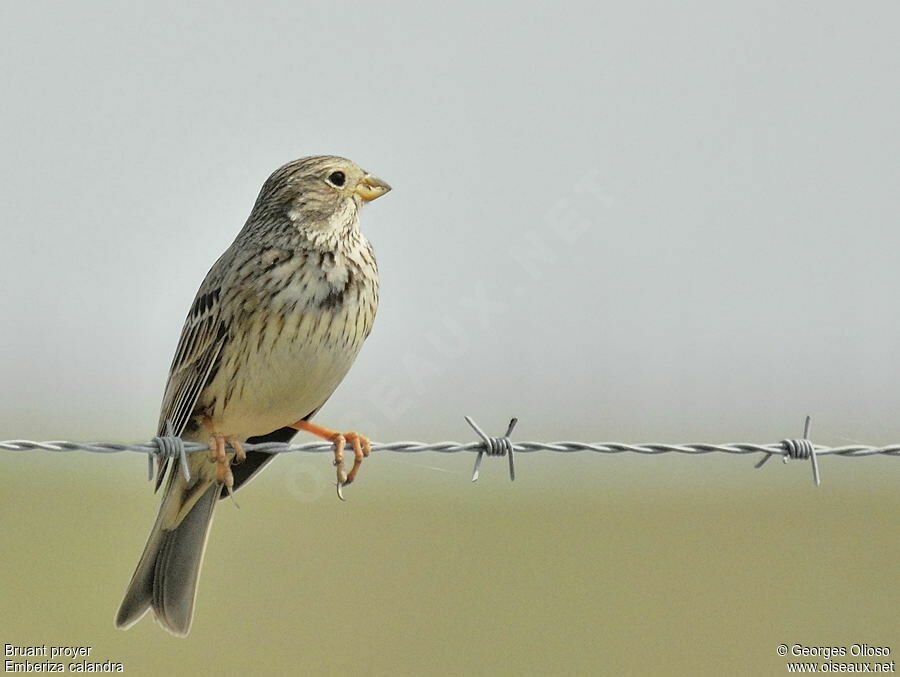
<point x="170" y="446"/>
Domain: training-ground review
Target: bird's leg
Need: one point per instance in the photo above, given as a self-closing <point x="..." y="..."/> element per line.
<point x="360" y="443"/>
<point x="219" y="456"/>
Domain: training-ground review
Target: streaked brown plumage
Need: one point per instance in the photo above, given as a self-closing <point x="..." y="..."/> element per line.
<point x="273" y="329"/>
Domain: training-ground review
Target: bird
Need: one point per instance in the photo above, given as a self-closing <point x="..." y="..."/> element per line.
<point x="273" y="329"/>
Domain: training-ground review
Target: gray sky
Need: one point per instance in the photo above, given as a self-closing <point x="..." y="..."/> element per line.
<point x="625" y="221"/>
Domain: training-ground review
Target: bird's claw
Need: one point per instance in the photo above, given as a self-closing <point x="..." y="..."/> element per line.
<point x="219" y="456"/>
<point x="361" y="449"/>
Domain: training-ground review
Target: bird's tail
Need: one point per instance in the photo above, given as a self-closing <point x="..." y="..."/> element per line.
<point x="166" y="576"/>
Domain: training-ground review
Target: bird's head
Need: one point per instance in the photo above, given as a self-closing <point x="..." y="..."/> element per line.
<point x="320" y="193"/>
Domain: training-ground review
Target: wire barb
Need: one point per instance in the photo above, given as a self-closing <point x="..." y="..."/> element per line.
<point x="798" y="450"/>
<point x="169" y="446"/>
<point x="494" y="446"/>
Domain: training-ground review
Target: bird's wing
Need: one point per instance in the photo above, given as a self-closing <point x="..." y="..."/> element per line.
<point x="202" y="337"/>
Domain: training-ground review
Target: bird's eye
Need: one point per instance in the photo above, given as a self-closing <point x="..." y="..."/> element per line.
<point x="337" y="178"/>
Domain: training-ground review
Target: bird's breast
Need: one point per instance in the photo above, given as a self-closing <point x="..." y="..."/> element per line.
<point x="294" y="341"/>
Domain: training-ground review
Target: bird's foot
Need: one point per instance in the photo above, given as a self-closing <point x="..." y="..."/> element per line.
<point x="360" y="444"/>
<point x="219" y="456"/>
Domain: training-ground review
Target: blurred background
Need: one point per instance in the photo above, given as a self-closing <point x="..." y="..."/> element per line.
<point x="625" y="222"/>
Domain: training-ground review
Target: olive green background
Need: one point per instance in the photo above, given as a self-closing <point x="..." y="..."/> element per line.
<point x="588" y="565"/>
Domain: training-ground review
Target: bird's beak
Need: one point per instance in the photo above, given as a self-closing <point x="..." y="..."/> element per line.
<point x="371" y="187"/>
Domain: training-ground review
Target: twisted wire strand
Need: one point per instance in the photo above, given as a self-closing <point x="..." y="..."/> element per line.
<point x="786" y="448"/>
